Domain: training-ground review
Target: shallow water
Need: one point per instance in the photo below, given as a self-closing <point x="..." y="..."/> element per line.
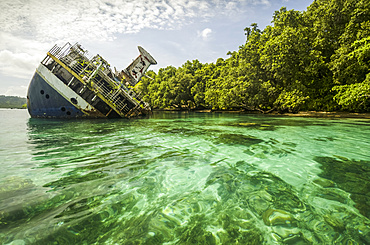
<point x="184" y="178"/>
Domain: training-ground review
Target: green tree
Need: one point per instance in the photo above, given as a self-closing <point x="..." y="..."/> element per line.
<point x="317" y="59"/>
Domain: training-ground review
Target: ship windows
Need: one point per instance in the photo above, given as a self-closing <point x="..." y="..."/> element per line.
<point x="74" y="101"/>
<point x="43" y="92"/>
<point x="64" y="109"/>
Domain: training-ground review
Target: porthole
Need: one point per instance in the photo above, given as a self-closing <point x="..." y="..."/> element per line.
<point x="42" y="91"/>
<point x="47" y="96"/>
<point x="74" y="101"/>
<point x="63" y="108"/>
<point x="68" y="113"/>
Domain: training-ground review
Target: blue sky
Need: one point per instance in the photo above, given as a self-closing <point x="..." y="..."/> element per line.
<point x="173" y="31"/>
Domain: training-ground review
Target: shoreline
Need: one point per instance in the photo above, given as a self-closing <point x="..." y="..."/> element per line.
<point x="318" y="114"/>
<point x="323" y="114"/>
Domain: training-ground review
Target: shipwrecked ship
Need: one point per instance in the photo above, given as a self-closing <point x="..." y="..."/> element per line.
<point x="68" y="84"/>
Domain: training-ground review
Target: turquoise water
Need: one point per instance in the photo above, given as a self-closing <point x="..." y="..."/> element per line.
<point x="184" y="178"/>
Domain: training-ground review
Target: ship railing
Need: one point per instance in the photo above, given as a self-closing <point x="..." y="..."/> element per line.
<point x="130" y="94"/>
<point x="60" y="52"/>
<point x="110" y="94"/>
<point x="75" y="57"/>
<point x="68" y="52"/>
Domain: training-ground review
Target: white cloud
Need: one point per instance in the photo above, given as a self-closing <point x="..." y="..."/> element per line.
<point x="265" y="3"/>
<point x="30" y="27"/>
<point x="101" y="19"/>
<point x="14" y="91"/>
<point x="205" y="34"/>
<point x="20" y="65"/>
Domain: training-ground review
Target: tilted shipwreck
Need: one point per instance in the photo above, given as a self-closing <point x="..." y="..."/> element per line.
<point x="68" y="84"/>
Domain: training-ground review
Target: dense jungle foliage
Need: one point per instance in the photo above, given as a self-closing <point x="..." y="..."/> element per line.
<point x="12" y="102"/>
<point x="318" y="59"/>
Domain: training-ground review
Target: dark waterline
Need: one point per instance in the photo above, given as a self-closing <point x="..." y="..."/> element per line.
<point x="184" y="178"/>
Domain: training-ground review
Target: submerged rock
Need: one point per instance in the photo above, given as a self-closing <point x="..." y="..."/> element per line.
<point x="260" y="201"/>
<point x="257" y="126"/>
<point x="325" y="183"/>
<point x="238" y="139"/>
<point x="195" y="232"/>
<point x="350" y="175"/>
<point x="273" y="217"/>
<point x="334" y="222"/>
<point x="12" y="207"/>
<point x="296" y="239"/>
<point x="15" y="186"/>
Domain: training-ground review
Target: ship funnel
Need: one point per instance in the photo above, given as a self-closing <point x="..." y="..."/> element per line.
<point x="138" y="67"/>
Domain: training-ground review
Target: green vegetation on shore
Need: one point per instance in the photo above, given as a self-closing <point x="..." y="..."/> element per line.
<point x="12" y="102"/>
<point x="318" y="59"/>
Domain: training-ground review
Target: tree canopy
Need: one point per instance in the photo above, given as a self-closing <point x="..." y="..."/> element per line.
<point x="318" y="59"/>
<point x="12" y="102"/>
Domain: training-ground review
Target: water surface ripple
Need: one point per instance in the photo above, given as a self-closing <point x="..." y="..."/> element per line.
<point x="184" y="178"/>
